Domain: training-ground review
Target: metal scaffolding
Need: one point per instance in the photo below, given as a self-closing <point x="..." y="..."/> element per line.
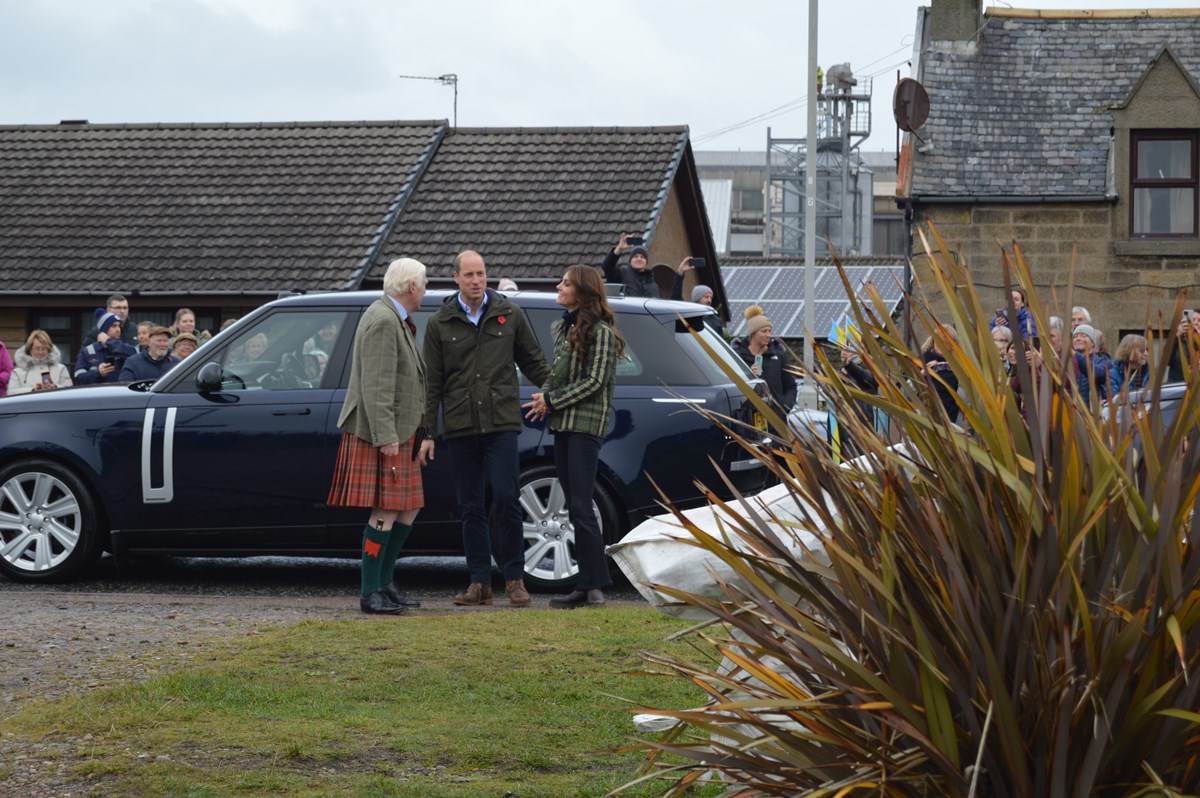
<point x="843" y="186"/>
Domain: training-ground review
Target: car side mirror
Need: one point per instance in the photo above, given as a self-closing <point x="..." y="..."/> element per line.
<point x="208" y="379"/>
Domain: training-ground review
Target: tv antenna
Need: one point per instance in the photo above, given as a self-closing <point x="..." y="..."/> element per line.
<point x="449" y="79"/>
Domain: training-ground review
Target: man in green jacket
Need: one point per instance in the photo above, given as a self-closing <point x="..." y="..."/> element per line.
<point x="471" y="344"/>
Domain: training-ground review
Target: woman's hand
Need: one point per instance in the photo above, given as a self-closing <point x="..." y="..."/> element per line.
<point x="537" y="408"/>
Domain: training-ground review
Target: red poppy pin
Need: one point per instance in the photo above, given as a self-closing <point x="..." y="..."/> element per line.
<point x="501" y="319"/>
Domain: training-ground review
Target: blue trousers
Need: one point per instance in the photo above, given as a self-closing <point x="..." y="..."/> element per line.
<point x="575" y="457"/>
<point x="482" y="461"/>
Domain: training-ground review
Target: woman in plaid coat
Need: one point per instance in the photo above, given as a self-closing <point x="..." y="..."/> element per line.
<point x="381" y="426"/>
<point x="578" y="399"/>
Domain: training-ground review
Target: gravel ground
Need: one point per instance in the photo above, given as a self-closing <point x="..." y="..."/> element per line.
<point x="125" y="625"/>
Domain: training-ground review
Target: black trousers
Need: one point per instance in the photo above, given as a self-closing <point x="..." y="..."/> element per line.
<point x="576" y="455"/>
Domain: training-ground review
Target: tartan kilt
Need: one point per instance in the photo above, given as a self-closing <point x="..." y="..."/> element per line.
<point x="363" y="477"/>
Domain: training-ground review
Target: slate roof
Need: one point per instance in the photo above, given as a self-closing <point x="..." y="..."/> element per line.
<point x="1027" y="115"/>
<point x="239" y="208"/>
<point x="534" y="200"/>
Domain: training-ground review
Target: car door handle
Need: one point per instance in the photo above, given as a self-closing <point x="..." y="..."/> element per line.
<point x="300" y="411"/>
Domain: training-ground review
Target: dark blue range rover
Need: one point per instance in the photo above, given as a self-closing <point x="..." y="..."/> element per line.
<point x="231" y="453"/>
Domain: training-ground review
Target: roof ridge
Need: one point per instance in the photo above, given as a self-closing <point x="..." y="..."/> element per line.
<point x="75" y="126"/>
<point x="576" y="129"/>
<point x="1103" y="13"/>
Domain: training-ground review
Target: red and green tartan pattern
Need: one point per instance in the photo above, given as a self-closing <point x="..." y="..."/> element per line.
<point x="365" y="478"/>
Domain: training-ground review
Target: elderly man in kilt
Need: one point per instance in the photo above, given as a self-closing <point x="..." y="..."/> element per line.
<point x="381" y="423"/>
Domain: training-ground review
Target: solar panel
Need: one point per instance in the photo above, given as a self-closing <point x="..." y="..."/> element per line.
<point x="780" y="291"/>
<point x="748" y="282"/>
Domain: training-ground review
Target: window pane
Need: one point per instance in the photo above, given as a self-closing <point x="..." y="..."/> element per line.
<point x="283" y="351"/>
<point x="751" y="200"/>
<point x="1161" y="159"/>
<point x="1164" y="211"/>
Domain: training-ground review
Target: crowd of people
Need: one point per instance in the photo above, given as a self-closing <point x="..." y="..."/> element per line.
<point x="117" y="350"/>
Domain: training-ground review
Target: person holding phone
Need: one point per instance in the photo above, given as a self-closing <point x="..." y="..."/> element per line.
<point x="103" y="360"/>
<point x="767" y="358"/>
<point x="38" y="366"/>
<point x="637" y="278"/>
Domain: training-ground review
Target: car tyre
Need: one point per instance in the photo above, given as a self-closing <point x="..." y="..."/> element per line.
<point x="48" y="522"/>
<point x="550" y="564"/>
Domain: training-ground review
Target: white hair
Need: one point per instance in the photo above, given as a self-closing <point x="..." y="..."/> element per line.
<point x="401" y="274"/>
<point x="1056" y="323"/>
<point x="1080" y="309"/>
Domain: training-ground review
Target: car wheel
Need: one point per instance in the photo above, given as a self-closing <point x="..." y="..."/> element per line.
<point x="48" y="523"/>
<point x="550" y="563"/>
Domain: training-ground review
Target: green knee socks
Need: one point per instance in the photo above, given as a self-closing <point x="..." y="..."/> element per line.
<point x="374" y="545"/>
<point x="391" y="553"/>
<point x="379" y="554"/>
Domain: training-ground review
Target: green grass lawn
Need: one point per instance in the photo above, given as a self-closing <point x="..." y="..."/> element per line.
<point x="472" y="704"/>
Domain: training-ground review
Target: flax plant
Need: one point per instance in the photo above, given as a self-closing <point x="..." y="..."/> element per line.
<point x="1007" y="607"/>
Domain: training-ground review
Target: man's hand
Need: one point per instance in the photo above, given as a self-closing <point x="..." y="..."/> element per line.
<point x="106" y="368"/>
<point x="685" y="265"/>
<point x="390" y="449"/>
<point x="623" y="244"/>
<point x="425" y="456"/>
<point x="103" y="338"/>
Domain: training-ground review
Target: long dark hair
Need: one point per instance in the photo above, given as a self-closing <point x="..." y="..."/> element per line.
<point x="593" y="308"/>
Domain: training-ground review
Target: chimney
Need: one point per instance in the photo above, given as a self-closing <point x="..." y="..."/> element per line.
<point x="956" y="20"/>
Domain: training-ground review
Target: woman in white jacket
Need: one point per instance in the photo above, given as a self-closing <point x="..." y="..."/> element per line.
<point x="38" y="366"/>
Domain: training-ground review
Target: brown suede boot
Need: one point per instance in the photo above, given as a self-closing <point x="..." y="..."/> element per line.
<point x="476" y="593"/>
<point x="518" y="596"/>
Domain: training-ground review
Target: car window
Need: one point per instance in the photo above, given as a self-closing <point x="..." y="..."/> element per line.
<point x="284" y="350"/>
<point x="652" y="350"/>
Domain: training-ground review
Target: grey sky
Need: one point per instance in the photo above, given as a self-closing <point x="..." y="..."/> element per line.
<point x="707" y="64"/>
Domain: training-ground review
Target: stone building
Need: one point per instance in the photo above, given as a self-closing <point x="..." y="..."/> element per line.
<point x="1073" y="133"/>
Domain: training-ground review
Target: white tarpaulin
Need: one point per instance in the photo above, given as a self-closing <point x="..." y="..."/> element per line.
<point x="659" y="551"/>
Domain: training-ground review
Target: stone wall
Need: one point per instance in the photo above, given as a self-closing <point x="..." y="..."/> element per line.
<point x="1124" y="292"/>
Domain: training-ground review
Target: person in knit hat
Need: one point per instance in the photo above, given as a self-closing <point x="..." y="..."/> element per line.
<point x="103" y="360"/>
<point x="637" y="278"/>
<point x="767" y="358"/>
<point x="1085" y="339"/>
<point x="703" y="295"/>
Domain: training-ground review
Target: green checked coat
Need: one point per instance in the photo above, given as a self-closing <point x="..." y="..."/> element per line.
<point x="386" y="395"/>
<point x="580" y="392"/>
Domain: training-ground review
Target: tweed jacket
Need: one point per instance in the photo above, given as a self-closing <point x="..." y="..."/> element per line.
<point x="470" y="369"/>
<point x="580" y="390"/>
<point x="386" y="395"/>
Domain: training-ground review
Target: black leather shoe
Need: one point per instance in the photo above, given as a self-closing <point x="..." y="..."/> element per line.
<point x="403" y="599"/>
<point x="578" y="598"/>
<point x="379" y="604"/>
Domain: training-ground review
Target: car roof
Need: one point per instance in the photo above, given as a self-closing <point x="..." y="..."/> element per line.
<point x="526" y="299"/>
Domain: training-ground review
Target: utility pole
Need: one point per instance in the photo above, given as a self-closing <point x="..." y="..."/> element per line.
<point x="810" y="212"/>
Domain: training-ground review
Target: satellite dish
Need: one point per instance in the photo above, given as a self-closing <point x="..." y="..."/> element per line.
<point x="910" y="105"/>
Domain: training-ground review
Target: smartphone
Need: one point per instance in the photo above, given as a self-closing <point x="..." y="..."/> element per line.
<point x="1001" y="313"/>
<point x="110" y="360"/>
<point x="45" y="376"/>
<point x="635" y="241"/>
<point x="1187" y="316"/>
<point x="696" y="263"/>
